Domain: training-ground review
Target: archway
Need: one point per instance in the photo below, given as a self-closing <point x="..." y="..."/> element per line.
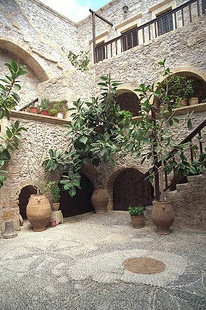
<point x="24" y="196"/>
<point x="131" y="189"/>
<point x="24" y="57"/>
<point x="81" y="202"/>
<point x="128" y="100"/>
<point x="198" y="81"/>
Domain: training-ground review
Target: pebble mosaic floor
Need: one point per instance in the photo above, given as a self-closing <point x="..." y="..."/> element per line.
<point x="78" y="265"/>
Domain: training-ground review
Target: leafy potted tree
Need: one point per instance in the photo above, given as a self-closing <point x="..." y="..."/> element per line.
<point x="137" y="216"/>
<point x="155" y="132"/>
<point x="98" y="131"/>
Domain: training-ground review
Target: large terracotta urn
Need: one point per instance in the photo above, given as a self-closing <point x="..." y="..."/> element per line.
<point x="100" y="200"/>
<point x="163" y="216"/>
<point x="38" y="212"/>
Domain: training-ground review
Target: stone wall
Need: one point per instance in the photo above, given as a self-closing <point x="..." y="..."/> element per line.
<point x="25" y="166"/>
<point x="188" y="202"/>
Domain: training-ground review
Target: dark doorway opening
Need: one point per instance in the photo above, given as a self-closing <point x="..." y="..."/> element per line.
<point x="131" y="189"/>
<point x="129" y="101"/>
<point x="81" y="202"/>
<point x="24" y="196"/>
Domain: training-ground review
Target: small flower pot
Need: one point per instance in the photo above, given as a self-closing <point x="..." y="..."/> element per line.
<point x="44" y="112"/>
<point x="137" y="221"/>
<point x="183" y="102"/>
<point x="193" y="101"/>
<point x="33" y="110"/>
<point x="53" y="223"/>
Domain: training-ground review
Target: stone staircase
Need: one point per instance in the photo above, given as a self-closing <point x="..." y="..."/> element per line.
<point x="188" y="202"/>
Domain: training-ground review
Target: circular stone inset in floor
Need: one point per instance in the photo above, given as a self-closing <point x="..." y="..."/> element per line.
<point x="144" y="265"/>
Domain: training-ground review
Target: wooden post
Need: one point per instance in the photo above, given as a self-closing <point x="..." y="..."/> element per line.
<point x="94" y="36"/>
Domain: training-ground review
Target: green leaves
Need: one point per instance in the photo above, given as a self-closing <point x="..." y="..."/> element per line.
<point x="9" y="142"/>
<point x="80" y="61"/>
<point x="8" y="98"/>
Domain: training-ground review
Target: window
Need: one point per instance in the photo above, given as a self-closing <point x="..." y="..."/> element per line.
<point x="100" y="51"/>
<point x="164" y="22"/>
<point x="129" y="39"/>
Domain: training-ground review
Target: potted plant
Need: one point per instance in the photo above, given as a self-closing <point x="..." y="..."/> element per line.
<point x="55" y="192"/>
<point x="98" y="131"/>
<point x="33" y="110"/>
<point x="181" y="87"/>
<point x="53" y="112"/>
<point x="38" y="210"/>
<point x="154" y="130"/>
<point x="44" y="107"/>
<point x="137" y="216"/>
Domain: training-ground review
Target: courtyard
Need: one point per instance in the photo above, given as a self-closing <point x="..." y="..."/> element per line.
<point x="79" y="265"/>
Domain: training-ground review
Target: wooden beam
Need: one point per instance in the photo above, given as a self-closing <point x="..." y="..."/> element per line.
<point x="102" y="18"/>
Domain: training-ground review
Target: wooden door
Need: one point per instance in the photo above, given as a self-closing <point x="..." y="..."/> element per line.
<point x="131" y="189"/>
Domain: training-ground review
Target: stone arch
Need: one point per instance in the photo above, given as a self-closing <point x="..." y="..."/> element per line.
<point x="24" y="196"/>
<point x="197" y="75"/>
<point x="81" y="202"/>
<point x="25" y="57"/>
<point x="114" y="176"/>
<point x="128" y="100"/>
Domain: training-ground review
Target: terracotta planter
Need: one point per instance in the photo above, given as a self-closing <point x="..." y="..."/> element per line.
<point x="183" y="102"/>
<point x="137" y="221"/>
<point x="33" y="110"/>
<point x="100" y="200"/>
<point x="44" y="112"/>
<point x="193" y="101"/>
<point x="163" y="216"/>
<point x="55" y="206"/>
<point x="38" y="212"/>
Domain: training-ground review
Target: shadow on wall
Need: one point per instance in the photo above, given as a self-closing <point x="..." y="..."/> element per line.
<point x="131" y="189"/>
<point x="24" y="196"/>
<point x="81" y="202"/>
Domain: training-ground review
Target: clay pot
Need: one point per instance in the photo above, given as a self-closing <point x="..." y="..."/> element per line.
<point x="137" y="221"/>
<point x="100" y="200"/>
<point x="193" y="101"/>
<point x="33" y="110"/>
<point x="38" y="212"/>
<point x="163" y="216"/>
<point x="183" y="102"/>
<point x="44" y="112"/>
<point x="55" y="206"/>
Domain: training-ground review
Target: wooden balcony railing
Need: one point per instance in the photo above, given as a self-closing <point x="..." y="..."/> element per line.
<point x="164" y="23"/>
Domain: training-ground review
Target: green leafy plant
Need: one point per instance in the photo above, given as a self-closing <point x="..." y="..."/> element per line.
<point x="155" y="138"/>
<point x="8" y="97"/>
<point x="10" y="142"/>
<point x="9" y="85"/>
<point x="80" y="61"/>
<point x="44" y="187"/>
<point x="181" y="86"/>
<point x="135" y="211"/>
<point x="98" y="131"/>
<point x="53" y="111"/>
<point x="45" y="104"/>
<point x="55" y="191"/>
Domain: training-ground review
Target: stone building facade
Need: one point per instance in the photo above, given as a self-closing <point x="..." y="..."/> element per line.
<point x="41" y="38"/>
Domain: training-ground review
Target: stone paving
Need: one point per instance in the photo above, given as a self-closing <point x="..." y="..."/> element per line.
<point x="79" y="266"/>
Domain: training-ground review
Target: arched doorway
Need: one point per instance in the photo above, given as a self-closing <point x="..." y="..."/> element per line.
<point x="131" y="189"/>
<point x="128" y="100"/>
<point x="24" y="196"/>
<point x="81" y="202"/>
